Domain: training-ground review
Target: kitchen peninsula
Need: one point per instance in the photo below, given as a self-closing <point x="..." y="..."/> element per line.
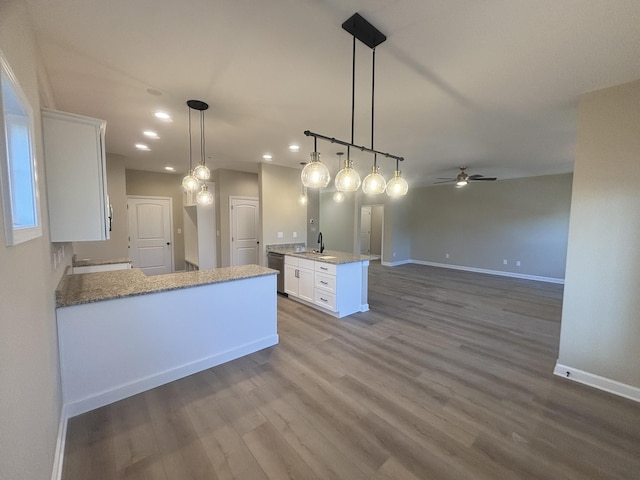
<point x="122" y="332"/>
<point x="333" y="282"/>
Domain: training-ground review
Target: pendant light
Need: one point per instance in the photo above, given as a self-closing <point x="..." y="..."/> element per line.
<point x="204" y="197"/>
<point x="201" y="172"/>
<point x="397" y="186"/>
<point x="338" y="196"/>
<point x="347" y="179"/>
<point x="374" y="183"/>
<point x="315" y="174"/>
<point x="189" y="182"/>
<point x="302" y="199"/>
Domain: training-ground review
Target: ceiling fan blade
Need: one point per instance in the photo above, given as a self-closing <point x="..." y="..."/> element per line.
<point x="446" y="178"/>
<point x="489" y="179"/>
<point x="445" y="181"/>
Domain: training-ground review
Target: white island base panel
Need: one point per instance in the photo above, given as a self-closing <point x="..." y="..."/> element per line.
<point x="113" y="349"/>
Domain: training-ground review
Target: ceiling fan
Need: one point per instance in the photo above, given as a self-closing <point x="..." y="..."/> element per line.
<point x="463" y="178"/>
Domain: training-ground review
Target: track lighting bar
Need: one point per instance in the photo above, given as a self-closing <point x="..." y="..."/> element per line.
<point x="347" y="144"/>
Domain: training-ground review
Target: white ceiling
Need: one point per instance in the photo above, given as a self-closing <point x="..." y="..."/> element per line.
<point x="490" y="84"/>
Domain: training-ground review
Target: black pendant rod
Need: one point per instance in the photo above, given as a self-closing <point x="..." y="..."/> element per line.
<point x="347" y="144"/>
<point x="190" y="150"/>
<point x="353" y="89"/>
<point x="373" y="87"/>
<point x="202" y="136"/>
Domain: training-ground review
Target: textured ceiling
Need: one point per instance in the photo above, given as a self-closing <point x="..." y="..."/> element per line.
<point x="490" y="84"/>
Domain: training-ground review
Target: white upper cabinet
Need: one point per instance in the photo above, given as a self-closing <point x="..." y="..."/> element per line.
<point x="75" y="164"/>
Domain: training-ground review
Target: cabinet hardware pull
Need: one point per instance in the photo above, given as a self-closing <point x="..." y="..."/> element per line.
<point x="323" y="282"/>
<point x="323" y="268"/>
<point x="324" y="299"/>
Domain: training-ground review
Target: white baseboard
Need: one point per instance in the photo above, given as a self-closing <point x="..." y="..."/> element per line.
<point x="490" y="272"/>
<point x="596" y="381"/>
<point x="56" y="473"/>
<point x="395" y="264"/>
<point x="122" y="391"/>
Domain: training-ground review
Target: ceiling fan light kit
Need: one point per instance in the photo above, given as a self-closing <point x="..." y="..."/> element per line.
<point x="463" y="179"/>
<point x="347" y="179"/>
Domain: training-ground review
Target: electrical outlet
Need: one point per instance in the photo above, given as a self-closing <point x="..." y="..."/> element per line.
<point x="295" y="234"/>
<point x="446" y="255"/>
<point x="179" y="230"/>
<point x="394" y="254"/>
<point x="504" y="262"/>
<point x="280" y="234"/>
<point x="517" y="263"/>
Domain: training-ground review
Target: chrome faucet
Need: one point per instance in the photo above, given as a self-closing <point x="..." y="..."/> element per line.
<point x="320" y="242"/>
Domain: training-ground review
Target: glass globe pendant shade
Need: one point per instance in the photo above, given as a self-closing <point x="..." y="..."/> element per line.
<point x="201" y="172"/>
<point x="204" y="197"/>
<point x="347" y="179"/>
<point x="315" y="174"/>
<point x="189" y="182"/>
<point x="397" y="186"/>
<point x="374" y="183"/>
<point x="338" y="197"/>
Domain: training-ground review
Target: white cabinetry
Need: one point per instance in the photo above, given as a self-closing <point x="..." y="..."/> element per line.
<point x="337" y="289"/>
<point x="298" y="278"/>
<point x="199" y="237"/>
<point x="76" y="177"/>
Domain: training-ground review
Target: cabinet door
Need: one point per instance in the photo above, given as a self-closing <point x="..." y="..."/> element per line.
<point x="305" y="285"/>
<point x="76" y="177"/>
<point x="291" y="280"/>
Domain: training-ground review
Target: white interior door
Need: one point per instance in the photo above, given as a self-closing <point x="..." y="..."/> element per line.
<point x="245" y="241"/>
<point x="365" y="230"/>
<point x="150" y="220"/>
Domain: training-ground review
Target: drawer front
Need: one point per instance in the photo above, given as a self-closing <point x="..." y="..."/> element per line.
<point x="328" y="268"/>
<point x="289" y="260"/>
<point x="326" y="282"/>
<point x="304" y="263"/>
<point x="325" y="299"/>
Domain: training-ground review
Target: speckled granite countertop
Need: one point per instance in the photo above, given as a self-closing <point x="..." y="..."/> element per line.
<point x="328" y="256"/>
<point x="94" y="287"/>
<point x="92" y="263"/>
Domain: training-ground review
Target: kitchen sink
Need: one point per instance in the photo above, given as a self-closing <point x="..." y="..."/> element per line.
<point x="326" y="257"/>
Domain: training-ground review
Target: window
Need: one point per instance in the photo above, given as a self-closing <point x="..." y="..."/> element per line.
<point x="18" y="177"/>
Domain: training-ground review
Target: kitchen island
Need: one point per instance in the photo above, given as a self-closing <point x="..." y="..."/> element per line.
<point x="333" y="282"/>
<point x="122" y="332"/>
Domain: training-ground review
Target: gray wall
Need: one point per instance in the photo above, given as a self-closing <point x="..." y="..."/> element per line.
<point x="154" y="184"/>
<point x="486" y="222"/>
<point x="600" y="318"/>
<point x="377" y="216"/>
<point x="340" y="224"/>
<point x="280" y="188"/>
<point x="118" y="244"/>
<point x="30" y="396"/>
<point x="230" y="183"/>
<point x="337" y="221"/>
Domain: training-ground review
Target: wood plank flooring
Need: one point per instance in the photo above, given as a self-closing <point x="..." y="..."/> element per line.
<point x="449" y="376"/>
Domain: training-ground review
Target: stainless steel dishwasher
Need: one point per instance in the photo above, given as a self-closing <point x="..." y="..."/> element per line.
<point x="276" y="261"/>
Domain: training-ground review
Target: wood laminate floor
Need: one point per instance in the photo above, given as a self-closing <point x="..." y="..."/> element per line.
<point x="449" y="376"/>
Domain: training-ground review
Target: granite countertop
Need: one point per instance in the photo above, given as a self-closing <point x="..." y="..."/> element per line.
<point x="82" y="288"/>
<point x="328" y="256"/>
<point x="92" y="263"/>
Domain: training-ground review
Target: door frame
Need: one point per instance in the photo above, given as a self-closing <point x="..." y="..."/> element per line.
<point x="240" y="197"/>
<point x="382" y="205"/>
<point x="155" y="197"/>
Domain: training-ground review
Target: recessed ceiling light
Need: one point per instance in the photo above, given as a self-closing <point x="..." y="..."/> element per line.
<point x="170" y="168"/>
<point x="294" y="148"/>
<point x="164" y="116"/>
<point x="150" y="134"/>
<point x="142" y="146"/>
<point x="267" y="157"/>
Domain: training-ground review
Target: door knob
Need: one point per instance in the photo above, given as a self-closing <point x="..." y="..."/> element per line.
<point x="168" y="243"/>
